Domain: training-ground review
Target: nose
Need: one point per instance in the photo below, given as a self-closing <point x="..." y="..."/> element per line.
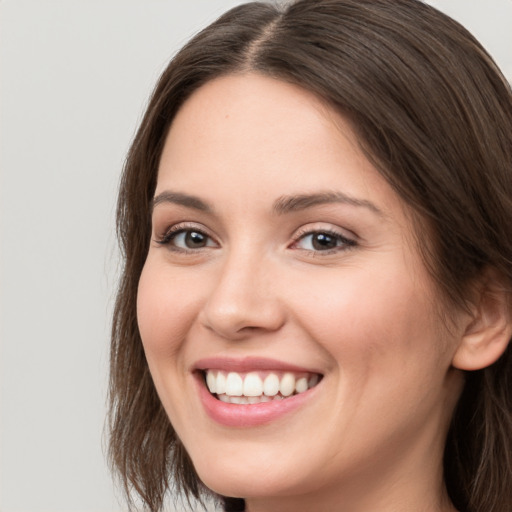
<point x="244" y="299"/>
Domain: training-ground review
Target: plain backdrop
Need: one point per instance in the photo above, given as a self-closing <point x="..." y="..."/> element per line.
<point x="75" y="76"/>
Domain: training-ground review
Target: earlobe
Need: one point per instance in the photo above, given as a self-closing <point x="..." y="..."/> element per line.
<point x="488" y="333"/>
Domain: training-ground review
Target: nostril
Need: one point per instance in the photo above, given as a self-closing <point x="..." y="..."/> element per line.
<point x="240" y="305"/>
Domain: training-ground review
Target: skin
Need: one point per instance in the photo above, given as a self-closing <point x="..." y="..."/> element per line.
<point x="363" y="314"/>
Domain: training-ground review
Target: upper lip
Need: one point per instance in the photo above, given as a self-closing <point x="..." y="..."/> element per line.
<point x="248" y="364"/>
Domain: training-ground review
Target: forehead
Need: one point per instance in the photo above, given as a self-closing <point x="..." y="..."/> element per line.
<point x="256" y="128"/>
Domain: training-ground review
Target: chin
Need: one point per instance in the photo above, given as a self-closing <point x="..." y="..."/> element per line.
<point x="241" y="480"/>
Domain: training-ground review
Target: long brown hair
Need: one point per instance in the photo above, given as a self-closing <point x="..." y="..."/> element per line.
<point x="433" y="114"/>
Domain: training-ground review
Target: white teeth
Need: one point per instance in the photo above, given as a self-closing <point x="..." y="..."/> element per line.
<point x="220" y="385"/>
<point x="301" y="385"/>
<point x="287" y="386"/>
<point x="271" y="385"/>
<point x="241" y="400"/>
<point x="253" y="385"/>
<point x="211" y="382"/>
<point x="252" y="388"/>
<point x="234" y="384"/>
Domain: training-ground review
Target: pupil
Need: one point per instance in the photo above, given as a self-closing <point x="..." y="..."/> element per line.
<point x="194" y="239"/>
<point x="323" y="241"/>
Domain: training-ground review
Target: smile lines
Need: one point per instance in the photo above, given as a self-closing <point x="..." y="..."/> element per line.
<point x="257" y="387"/>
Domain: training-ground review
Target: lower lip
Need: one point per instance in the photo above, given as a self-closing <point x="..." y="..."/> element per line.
<point x="249" y="415"/>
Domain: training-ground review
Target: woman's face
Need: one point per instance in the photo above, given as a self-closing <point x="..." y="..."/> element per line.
<point x="282" y="267"/>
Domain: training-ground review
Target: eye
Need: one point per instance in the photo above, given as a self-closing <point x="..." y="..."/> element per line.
<point x="323" y="241"/>
<point x="186" y="239"/>
<point x="190" y="239"/>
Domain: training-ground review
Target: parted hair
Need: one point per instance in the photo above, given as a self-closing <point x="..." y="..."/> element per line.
<point x="433" y="114"/>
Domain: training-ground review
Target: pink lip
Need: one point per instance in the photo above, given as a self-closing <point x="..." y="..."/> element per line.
<point x="250" y="415"/>
<point x="248" y="364"/>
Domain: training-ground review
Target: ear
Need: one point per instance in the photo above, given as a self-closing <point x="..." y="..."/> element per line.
<point x="489" y="330"/>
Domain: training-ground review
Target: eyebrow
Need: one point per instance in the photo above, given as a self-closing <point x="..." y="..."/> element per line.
<point x="292" y="203"/>
<point x="181" y="199"/>
<point x="283" y="205"/>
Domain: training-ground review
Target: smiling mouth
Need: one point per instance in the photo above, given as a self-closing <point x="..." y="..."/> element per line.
<point x="258" y="386"/>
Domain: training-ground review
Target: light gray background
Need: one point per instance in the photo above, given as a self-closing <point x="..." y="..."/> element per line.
<point x="75" y="75"/>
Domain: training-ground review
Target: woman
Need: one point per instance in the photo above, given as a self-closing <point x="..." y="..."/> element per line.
<point x="315" y="312"/>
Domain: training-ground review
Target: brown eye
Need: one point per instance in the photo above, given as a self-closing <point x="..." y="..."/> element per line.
<point x="195" y="239"/>
<point x="322" y="241"/>
<point x="187" y="239"/>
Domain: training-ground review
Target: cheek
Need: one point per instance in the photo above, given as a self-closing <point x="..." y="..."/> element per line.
<point x="370" y="318"/>
<point x="165" y="313"/>
<point x="387" y="357"/>
<point x="165" y="310"/>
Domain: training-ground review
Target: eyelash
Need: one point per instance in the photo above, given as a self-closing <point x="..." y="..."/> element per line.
<point x="179" y="229"/>
<point x="342" y="242"/>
